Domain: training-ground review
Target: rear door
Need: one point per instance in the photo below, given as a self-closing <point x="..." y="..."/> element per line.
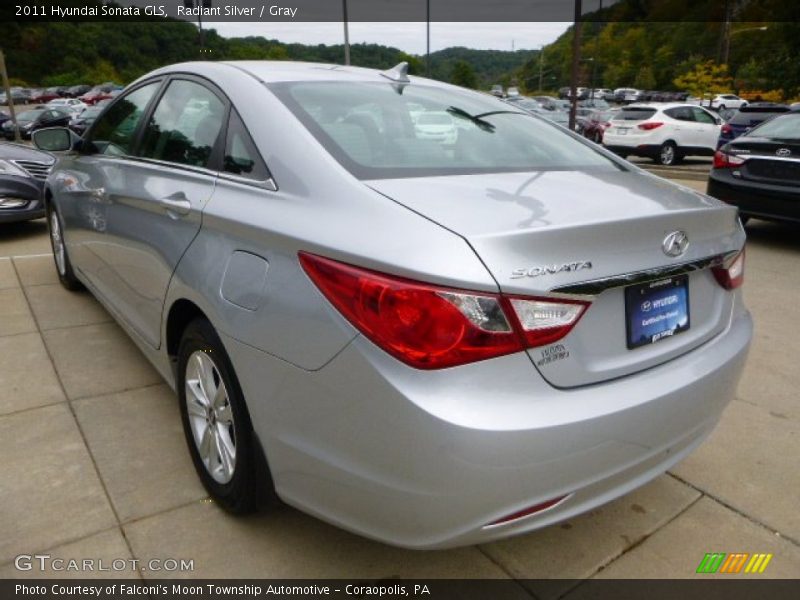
<point x="682" y="125"/>
<point x="706" y="129"/>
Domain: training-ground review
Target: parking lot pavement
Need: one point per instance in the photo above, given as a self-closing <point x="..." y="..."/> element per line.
<point x="95" y="464"/>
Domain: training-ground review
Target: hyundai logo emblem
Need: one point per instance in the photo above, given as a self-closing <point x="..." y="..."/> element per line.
<point x="783" y="152"/>
<point x="675" y="243"/>
<point x="646" y="306"/>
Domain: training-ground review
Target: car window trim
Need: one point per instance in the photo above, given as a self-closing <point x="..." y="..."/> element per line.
<point x="269" y="183"/>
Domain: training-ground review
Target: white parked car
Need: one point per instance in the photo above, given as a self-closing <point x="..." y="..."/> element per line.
<point x="73" y="105"/>
<point x="723" y="101"/>
<point x="664" y="132"/>
<point x="626" y="94"/>
<point x="436" y="126"/>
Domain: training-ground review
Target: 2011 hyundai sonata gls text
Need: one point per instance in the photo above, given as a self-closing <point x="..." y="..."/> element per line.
<point x="428" y="342"/>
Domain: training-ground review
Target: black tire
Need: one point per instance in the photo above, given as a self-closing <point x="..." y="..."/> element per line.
<point x="55" y="229"/>
<point x="238" y="494"/>
<point x="667" y="154"/>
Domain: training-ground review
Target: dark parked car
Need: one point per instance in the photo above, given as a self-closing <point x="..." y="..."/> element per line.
<point x="748" y="117"/>
<point x="18" y="96"/>
<point x="4" y="117"/>
<point x="77" y="90"/>
<point x="22" y="174"/>
<point x="80" y="123"/>
<point x="760" y="171"/>
<point x="38" y="118"/>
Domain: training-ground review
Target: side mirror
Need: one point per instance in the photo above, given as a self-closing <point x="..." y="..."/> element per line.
<point x="55" y="139"/>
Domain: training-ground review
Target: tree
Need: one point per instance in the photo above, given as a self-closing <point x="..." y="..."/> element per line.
<point x="645" y="79"/>
<point x="706" y="78"/>
<point x="463" y="74"/>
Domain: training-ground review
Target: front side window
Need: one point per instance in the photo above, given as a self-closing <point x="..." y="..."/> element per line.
<point x="378" y="131"/>
<point x="114" y="133"/>
<point x="185" y="125"/>
<point x="680" y="113"/>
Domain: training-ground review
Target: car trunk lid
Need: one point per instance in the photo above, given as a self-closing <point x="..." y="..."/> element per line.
<point x="552" y="232"/>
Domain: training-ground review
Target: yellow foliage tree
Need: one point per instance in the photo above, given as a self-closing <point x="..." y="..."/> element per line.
<point x="706" y="78"/>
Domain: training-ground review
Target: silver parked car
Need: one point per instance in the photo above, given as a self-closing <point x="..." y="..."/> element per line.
<point x="428" y="343"/>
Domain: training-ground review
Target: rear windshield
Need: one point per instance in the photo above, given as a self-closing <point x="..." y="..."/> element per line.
<point x="634" y="114"/>
<point x="784" y="127"/>
<point x="429" y="118"/>
<point x="373" y="130"/>
<point x="754" y="117"/>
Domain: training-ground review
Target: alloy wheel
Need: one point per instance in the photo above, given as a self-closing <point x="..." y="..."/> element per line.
<point x="58" y="244"/>
<point x="667" y="154"/>
<point x="210" y="417"/>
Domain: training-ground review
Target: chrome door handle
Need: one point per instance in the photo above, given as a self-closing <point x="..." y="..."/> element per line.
<point x="176" y="205"/>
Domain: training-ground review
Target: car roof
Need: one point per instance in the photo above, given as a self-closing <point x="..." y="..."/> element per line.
<point x="662" y="105"/>
<point x="283" y="71"/>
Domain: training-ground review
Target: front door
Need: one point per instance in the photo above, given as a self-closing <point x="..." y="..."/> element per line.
<point x="158" y="212"/>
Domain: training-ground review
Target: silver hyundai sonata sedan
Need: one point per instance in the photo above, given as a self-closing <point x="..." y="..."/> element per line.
<point x="431" y="341"/>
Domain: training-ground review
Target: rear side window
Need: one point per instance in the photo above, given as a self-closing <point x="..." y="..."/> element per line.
<point x="113" y="134"/>
<point x="681" y="113"/>
<point x="635" y="114"/>
<point x="241" y="156"/>
<point x="185" y="125"/>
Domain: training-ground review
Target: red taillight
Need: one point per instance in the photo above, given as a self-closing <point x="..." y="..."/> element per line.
<point x="723" y="160"/>
<point x="650" y="125"/>
<point x="432" y="327"/>
<point x="731" y="274"/>
<point x="726" y="129"/>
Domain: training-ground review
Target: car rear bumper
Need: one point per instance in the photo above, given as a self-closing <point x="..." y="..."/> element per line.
<point x="754" y="199"/>
<point x="645" y="150"/>
<point x="430" y="459"/>
<point x="24" y="190"/>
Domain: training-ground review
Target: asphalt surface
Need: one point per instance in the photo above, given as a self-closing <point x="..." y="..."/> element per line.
<point x="95" y="464"/>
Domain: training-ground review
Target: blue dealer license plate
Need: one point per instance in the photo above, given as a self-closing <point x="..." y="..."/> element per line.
<point x="656" y="310"/>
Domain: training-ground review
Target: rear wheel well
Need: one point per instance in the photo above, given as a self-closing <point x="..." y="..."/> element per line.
<point x="180" y="315"/>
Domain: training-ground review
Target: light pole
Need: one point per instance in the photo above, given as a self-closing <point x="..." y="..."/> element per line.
<point x="576" y="60"/>
<point x="200" y="5"/>
<point x="541" y="67"/>
<point x="730" y="34"/>
<point x="427" y="38"/>
<point x="346" y="34"/>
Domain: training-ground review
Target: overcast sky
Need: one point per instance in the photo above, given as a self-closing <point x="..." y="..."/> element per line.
<point x="409" y="37"/>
